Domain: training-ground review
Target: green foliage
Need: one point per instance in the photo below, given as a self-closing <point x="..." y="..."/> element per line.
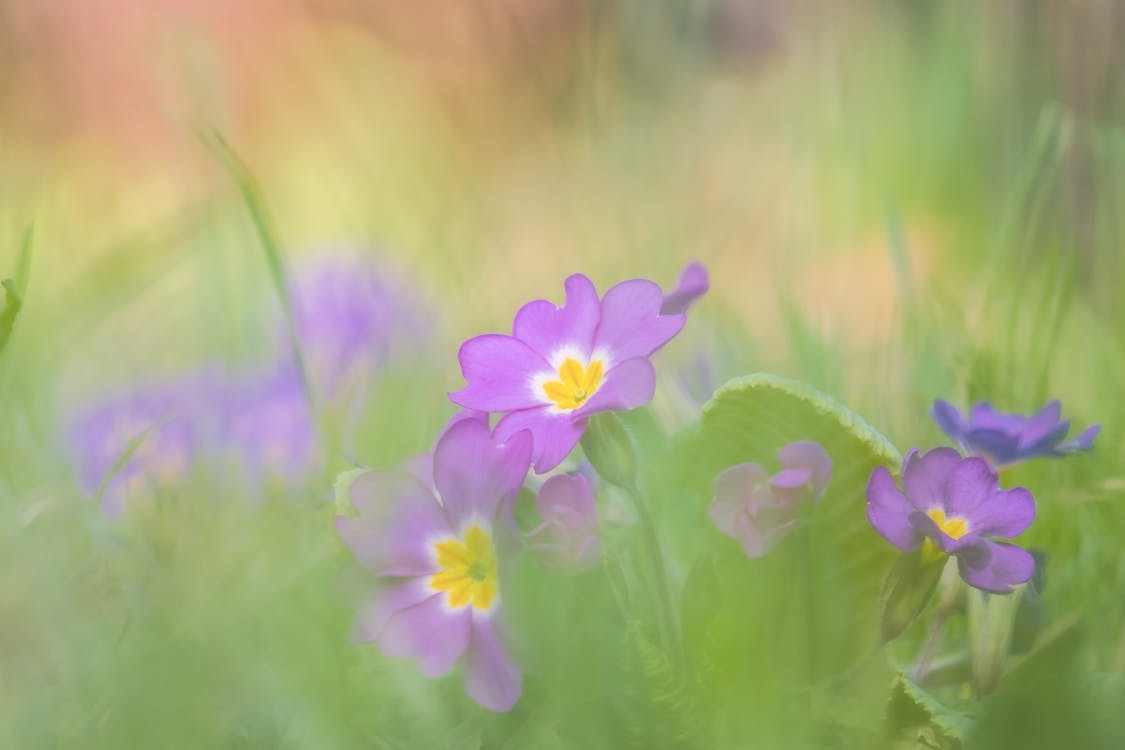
<point x="659" y="705"/>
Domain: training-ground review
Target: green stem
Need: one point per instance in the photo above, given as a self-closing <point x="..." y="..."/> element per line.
<point x="659" y="573"/>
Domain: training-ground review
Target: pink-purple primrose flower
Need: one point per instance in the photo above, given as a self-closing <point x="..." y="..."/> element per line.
<point x="953" y="506"/>
<point x="567" y="539"/>
<point x="433" y="539"/>
<point x="1004" y="438"/>
<point x="757" y="509"/>
<point x="563" y="364"/>
<point x="694" y="283"/>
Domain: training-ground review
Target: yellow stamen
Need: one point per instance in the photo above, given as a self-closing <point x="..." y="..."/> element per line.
<point x="575" y="384"/>
<point x="954" y="527"/>
<point x="468" y="570"/>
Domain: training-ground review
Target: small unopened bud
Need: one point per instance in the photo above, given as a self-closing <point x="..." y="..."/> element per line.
<point x="609" y="449"/>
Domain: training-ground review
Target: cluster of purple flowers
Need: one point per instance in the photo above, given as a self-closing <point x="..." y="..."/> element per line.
<point x="435" y="534"/>
<point x="349" y="318"/>
<point x="953" y="505"/>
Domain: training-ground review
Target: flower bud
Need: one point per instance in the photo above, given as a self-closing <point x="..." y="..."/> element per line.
<point x="609" y="448"/>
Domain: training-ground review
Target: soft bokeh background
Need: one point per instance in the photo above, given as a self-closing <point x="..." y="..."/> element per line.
<point x="896" y="201"/>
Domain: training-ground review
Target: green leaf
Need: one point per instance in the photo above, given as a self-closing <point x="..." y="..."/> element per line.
<point x="342" y="487"/>
<point x="126" y="455"/>
<point x="14" y="289"/>
<point x="823" y="580"/>
<point x="699" y="606"/>
<point x="911" y="708"/>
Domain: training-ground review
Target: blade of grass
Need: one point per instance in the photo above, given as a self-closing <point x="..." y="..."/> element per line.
<point x="14" y="290"/>
<point x="255" y="205"/>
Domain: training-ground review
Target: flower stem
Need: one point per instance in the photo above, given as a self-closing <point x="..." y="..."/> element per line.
<point x="659" y="573"/>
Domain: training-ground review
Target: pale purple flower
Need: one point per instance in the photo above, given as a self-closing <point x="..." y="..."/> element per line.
<point x="757" y="509"/>
<point x="352" y="318"/>
<point x="269" y="430"/>
<point x="1005" y="438"/>
<point x="952" y="505"/>
<point x="694" y="283"/>
<point x="567" y="539"/>
<point x="562" y="364"/>
<point x="165" y="422"/>
<point x="434" y="545"/>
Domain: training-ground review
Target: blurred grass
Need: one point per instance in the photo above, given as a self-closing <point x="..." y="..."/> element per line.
<point x="896" y="203"/>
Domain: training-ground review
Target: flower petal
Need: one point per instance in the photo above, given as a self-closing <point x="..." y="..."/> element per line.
<point x="499" y="370"/>
<point x="389" y="601"/>
<point x="1001" y="448"/>
<point x="810" y="455"/>
<point x="631" y="324"/>
<point x="889" y="511"/>
<point x="983" y="417"/>
<point x="949" y="419"/>
<point x="399" y="519"/>
<point x="738" y="483"/>
<point x="1004" y="566"/>
<point x="554" y="435"/>
<point x="568" y="497"/>
<point x="1006" y="513"/>
<point x="1041" y="425"/>
<point x="490" y="676"/>
<point x="627" y="385"/>
<point x="925" y="476"/>
<point x="694" y="283"/>
<point x="476" y="474"/>
<point x="970" y="484"/>
<point x="1083" y="442"/>
<point x="429" y="632"/>
<point x="547" y="328"/>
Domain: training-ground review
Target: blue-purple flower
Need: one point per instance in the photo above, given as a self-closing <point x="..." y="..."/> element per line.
<point x="954" y="506"/>
<point x="563" y="364"/>
<point x="1006" y="438"/>
<point x="758" y="509"/>
<point x="567" y="539"/>
<point x="434" y="544"/>
<point x="161" y="426"/>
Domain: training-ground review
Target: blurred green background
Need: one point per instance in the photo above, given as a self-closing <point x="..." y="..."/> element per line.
<point x="896" y="202"/>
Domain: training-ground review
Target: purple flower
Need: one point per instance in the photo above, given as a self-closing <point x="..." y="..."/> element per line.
<point x="758" y="510"/>
<point x="562" y="364"/>
<point x="694" y="283"/>
<point x="951" y="504"/>
<point x="351" y="319"/>
<point x="568" y="537"/>
<point x="435" y="546"/>
<point x="169" y="433"/>
<point x="269" y="428"/>
<point x="1008" y="438"/>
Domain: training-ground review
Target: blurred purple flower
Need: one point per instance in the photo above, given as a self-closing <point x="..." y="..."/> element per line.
<point x="351" y="319"/>
<point x="1005" y="438"/>
<point x="164" y="422"/>
<point x="434" y="544"/>
<point x="567" y="539"/>
<point x="694" y="283"/>
<point x="950" y="505"/>
<point x="269" y="430"/>
<point x="758" y="510"/>
<point x="563" y="364"/>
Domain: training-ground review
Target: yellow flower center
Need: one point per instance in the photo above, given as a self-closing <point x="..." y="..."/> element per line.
<point x="468" y="570"/>
<point x="954" y="527"/>
<point x="575" y="384"/>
